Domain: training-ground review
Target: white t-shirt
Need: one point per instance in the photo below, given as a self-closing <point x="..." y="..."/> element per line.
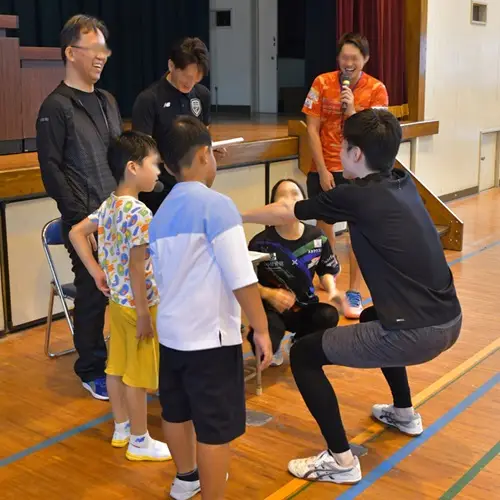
<point x="199" y="257"/>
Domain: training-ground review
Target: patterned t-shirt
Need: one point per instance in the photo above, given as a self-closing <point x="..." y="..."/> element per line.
<point x="123" y="223"/>
<point x="323" y="101"/>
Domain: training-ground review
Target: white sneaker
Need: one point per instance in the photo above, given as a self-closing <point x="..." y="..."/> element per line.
<point x="121" y="439"/>
<point x="155" y="451"/>
<point x="182" y="490"/>
<point x="387" y="415"/>
<point x="324" y="467"/>
<point x="278" y="359"/>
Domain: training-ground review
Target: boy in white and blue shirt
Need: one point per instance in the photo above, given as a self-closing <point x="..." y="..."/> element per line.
<point x="203" y="273"/>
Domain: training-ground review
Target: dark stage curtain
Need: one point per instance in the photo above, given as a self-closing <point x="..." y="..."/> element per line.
<point x="320" y="38"/>
<point x="383" y="23"/>
<point x="141" y="34"/>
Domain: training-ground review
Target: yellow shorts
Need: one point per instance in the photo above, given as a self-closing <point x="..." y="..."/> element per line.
<point x="136" y="361"/>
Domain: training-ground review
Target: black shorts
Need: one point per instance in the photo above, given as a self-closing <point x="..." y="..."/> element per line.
<point x="314" y="186"/>
<point x="207" y="387"/>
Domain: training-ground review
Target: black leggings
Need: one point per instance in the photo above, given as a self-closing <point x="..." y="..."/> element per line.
<point x="307" y="359"/>
<point x="312" y="318"/>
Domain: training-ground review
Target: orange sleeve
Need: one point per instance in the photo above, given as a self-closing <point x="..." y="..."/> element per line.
<point x="312" y="104"/>
<point x="379" y="98"/>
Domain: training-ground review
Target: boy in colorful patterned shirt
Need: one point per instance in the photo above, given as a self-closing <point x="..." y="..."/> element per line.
<point x="125" y="274"/>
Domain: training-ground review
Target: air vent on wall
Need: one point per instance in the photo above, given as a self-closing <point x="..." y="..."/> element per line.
<point x="479" y="13"/>
<point x="223" y="18"/>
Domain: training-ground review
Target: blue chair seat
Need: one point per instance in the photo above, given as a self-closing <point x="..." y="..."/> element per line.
<point x="69" y="291"/>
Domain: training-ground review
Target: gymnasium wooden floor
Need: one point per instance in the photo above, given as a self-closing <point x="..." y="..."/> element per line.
<point x="55" y="438"/>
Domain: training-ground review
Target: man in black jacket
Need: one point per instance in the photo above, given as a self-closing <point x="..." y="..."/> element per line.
<point x="178" y="92"/>
<point x="74" y="127"/>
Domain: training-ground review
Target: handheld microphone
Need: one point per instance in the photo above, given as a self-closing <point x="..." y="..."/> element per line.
<point x="158" y="187"/>
<point x="346" y="82"/>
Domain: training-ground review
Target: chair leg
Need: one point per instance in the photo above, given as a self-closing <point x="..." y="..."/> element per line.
<point x="69" y="319"/>
<point x="49" y="323"/>
<point x="49" y="326"/>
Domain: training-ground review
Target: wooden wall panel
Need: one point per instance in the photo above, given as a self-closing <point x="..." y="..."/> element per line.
<point x="38" y="80"/>
<point x="42" y="70"/>
<point x="10" y="97"/>
<point x="416" y="53"/>
<point x="8" y="22"/>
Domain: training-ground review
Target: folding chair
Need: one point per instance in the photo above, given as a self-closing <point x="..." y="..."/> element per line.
<point x="52" y="236"/>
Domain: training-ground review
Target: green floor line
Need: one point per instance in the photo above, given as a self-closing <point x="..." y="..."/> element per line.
<point x="471" y="473"/>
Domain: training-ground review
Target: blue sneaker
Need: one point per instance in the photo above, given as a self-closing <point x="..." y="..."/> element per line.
<point x="97" y="388"/>
<point x="353" y="306"/>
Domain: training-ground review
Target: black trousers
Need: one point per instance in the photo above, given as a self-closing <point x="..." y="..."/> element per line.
<point x="90" y="308"/>
<point x="311" y="318"/>
<point x="307" y="358"/>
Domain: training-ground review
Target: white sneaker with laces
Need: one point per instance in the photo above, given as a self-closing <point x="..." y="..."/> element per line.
<point x="154" y="451"/>
<point x="387" y="415"/>
<point x="183" y="490"/>
<point x="324" y="467"/>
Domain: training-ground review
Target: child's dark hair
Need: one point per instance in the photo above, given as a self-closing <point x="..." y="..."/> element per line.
<point x="377" y="133"/>
<point x="274" y="190"/>
<point x="129" y="146"/>
<point x="186" y="136"/>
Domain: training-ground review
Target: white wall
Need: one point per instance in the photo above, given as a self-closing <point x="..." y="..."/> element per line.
<point x="231" y="54"/>
<point x="242" y="57"/>
<point x="462" y="91"/>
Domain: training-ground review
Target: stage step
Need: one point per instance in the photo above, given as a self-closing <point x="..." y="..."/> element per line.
<point x="442" y="230"/>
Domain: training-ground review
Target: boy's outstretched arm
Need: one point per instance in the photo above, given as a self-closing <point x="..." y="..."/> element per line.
<point x="274" y="214"/>
<point x="82" y="239"/>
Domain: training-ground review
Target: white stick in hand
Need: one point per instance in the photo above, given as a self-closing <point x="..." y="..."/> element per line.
<point x="226" y="142"/>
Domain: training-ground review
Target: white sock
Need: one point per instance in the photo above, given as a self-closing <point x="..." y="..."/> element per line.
<point x="404" y="413"/>
<point x="140" y="441"/>
<point x="122" y="427"/>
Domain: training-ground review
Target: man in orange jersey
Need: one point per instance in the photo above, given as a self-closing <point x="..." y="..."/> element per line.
<point x="328" y="104"/>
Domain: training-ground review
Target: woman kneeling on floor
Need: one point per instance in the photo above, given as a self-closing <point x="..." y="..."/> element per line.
<point x="298" y="251"/>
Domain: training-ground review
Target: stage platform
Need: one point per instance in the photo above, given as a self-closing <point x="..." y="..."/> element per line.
<point x="254" y="128"/>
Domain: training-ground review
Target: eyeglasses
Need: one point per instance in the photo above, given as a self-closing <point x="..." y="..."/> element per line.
<point x="96" y="49"/>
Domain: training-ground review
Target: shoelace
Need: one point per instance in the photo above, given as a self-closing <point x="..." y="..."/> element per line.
<point x="354" y="299"/>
